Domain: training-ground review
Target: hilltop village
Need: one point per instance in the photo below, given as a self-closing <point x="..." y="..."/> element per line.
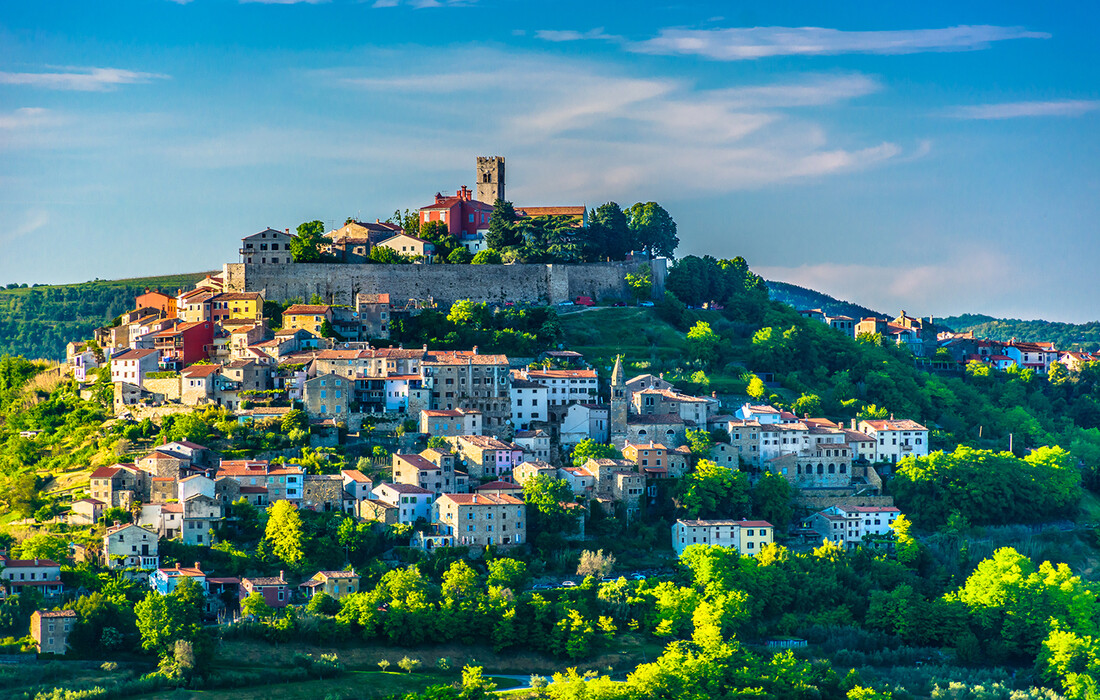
<point x="300" y="441"/>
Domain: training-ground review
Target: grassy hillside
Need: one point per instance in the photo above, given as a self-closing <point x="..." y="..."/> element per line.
<point x="803" y="298"/>
<point x="1065" y="336"/>
<point x="38" y="321"/>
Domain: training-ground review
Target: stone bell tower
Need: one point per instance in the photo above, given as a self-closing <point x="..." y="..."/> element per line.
<point x="490" y="179"/>
<point x="620" y="409"/>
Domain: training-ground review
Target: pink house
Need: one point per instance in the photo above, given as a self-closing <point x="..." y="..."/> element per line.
<point x="274" y="590"/>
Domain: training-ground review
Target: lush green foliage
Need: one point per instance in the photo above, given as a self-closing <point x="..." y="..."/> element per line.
<point x="987" y="488"/>
<point x="515" y="331"/>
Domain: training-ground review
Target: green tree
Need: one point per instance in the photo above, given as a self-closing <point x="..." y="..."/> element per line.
<point x="700" y="442"/>
<point x="44" y="546"/>
<point x="306" y="246"/>
<point x="164" y="620"/>
<point x="590" y="449"/>
<point x="387" y="256"/>
<point x="703" y="343"/>
<point x="771" y="500"/>
<point x="509" y="573"/>
<point x="502" y="227"/>
<point x="254" y="605"/>
<point x="545" y="497"/>
<point x="640" y="283"/>
<point x="756" y="388"/>
<point x="436" y="442"/>
<point x="610" y="237"/>
<point x="807" y="405"/>
<point x="295" y="419"/>
<point x="712" y="491"/>
<point x="653" y="229"/>
<point x="284" y="532"/>
<point x="486" y="257"/>
<point x="460" y="256"/>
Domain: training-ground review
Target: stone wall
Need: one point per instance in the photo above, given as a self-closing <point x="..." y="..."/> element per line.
<point x="819" y="501"/>
<point x="165" y="389"/>
<point x="445" y="283"/>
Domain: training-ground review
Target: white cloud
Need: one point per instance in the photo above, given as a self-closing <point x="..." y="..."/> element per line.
<point x="556" y="35"/>
<point x="422" y="4"/>
<point x="968" y="281"/>
<point x="1012" y="110"/>
<point x="81" y="79"/>
<point x="597" y="134"/>
<point x="30" y="222"/>
<point x="736" y="44"/>
<point x="25" y="117"/>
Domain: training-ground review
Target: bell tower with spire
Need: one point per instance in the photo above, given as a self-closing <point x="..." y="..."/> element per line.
<point x="619" y="404"/>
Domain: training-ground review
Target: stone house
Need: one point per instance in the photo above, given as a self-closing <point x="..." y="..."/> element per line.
<point x="337" y="584"/>
<point x="130" y="546"/>
<point x="327" y="396"/>
<point x="418" y="471"/>
<point x="86" y="511"/>
<point x="268" y="247"/>
<point x="50" y="630"/>
<point x="447" y="422"/>
<point x="485" y="456"/>
<point x="467" y="379"/>
<point x="323" y="492"/>
<point x="480" y="519"/>
<point x="379" y="511"/>
<point x="526" y="471"/>
<point x="117" y="486"/>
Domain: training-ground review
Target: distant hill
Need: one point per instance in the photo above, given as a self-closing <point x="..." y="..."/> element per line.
<point x="803" y="298"/>
<point x="1065" y="336"/>
<point x="38" y="321"/>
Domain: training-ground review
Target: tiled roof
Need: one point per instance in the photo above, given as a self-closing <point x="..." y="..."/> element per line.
<point x="13" y="563"/>
<point x="134" y="354"/>
<point x="266" y="581"/>
<point x="462" y="357"/>
<point x="56" y="613"/>
<point x="238" y="296"/>
<point x="480" y="499"/>
<point x="486" y="442"/>
<point x="904" y="424"/>
<point x="417" y="462"/>
<point x="309" y="309"/>
<point x="404" y="488"/>
<point x="355" y="475"/>
<point x="200" y="370"/>
<point x="551" y="211"/>
<point x="499" y="486"/>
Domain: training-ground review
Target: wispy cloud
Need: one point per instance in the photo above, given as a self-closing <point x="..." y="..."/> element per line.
<point x="423" y="4"/>
<point x="30" y="222"/>
<point x="557" y="35"/>
<point x="26" y="117"/>
<point x="80" y="79"/>
<point x="737" y="44"/>
<point x="275" y="2"/>
<point x="599" y="134"/>
<point x="1012" y="110"/>
<point x="960" y="283"/>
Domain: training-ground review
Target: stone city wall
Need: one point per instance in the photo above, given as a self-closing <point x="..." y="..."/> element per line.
<point x="339" y="283"/>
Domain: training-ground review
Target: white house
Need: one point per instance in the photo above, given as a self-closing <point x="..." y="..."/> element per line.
<point x="746" y="536"/>
<point x="413" y="502"/>
<point x="895" y="439"/>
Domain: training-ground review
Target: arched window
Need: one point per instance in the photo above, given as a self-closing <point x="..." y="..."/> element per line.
<point x="799" y="467"/>
<point x="844" y="469"/>
<point x="832" y="469"/>
<point x="642" y="433"/>
<point x="670" y="435"/>
<point x="821" y="469"/>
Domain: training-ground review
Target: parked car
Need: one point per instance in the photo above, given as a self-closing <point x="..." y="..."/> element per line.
<point x="568" y="584"/>
<point x="584" y="301"/>
<point x="646" y="303"/>
<point x="619" y="303"/>
<point x="566" y="303"/>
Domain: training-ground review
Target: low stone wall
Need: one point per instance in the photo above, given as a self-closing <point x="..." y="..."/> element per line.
<point x="166" y="389"/>
<point x="819" y="501"/>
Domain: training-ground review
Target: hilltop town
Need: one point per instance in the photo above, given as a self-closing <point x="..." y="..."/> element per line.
<point x="293" y="432"/>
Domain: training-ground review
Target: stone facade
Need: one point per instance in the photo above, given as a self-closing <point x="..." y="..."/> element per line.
<point x="443" y="283"/>
<point x="323" y="492"/>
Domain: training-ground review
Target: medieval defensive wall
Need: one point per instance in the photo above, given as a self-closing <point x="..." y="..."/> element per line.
<point x="539" y="284"/>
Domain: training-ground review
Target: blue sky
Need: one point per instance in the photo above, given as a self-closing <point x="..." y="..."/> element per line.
<point x="927" y="157"/>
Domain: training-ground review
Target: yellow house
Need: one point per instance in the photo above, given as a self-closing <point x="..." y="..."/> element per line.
<point x="752" y="535"/>
<point x="307" y="317"/>
<point x="335" y="583"/>
<point x="237" y="306"/>
<point x="409" y="246"/>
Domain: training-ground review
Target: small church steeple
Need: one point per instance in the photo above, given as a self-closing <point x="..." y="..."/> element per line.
<point x="619" y="405"/>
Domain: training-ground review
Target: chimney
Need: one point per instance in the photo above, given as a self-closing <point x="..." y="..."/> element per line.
<point x="853" y="424"/>
<point x="117" y="523"/>
<point x="281" y="575"/>
<point x="288" y="231"/>
<point x="475" y="349"/>
<point x="891" y="416"/>
<point x="197" y="566"/>
<point x="475" y="498"/>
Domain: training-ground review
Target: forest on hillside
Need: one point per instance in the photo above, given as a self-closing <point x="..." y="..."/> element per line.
<point x="803" y="298"/>
<point x="38" y="321"/>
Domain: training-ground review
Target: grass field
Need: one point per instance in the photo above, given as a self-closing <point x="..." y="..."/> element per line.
<point x="646" y="343"/>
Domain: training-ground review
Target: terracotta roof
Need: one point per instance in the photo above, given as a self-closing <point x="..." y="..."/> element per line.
<point x="482" y="499"/>
<point x="355" y="475"/>
<point x="904" y="424"/>
<point x="372" y="298"/>
<point x="309" y="309"/>
<point x="182" y="571"/>
<point x="56" y="613"/>
<point x="134" y="354"/>
<point x="11" y="563"/>
<point x="239" y="296"/>
<point x="93" y="501"/>
<point x="551" y="211"/>
<point x="462" y="357"/>
<point x="222" y="580"/>
<point x="104" y="473"/>
<point x="200" y="370"/>
<point x="417" y="462"/>
<point x="486" y="442"/>
<point x="499" y="486"/>
<point x="405" y="488"/>
<point x="267" y="581"/>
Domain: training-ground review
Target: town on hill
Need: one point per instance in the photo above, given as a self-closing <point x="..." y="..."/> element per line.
<point x="483" y="431"/>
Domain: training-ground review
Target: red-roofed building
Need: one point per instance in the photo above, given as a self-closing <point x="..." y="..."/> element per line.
<point x="848" y="525"/>
<point x="184" y="343"/>
<point x="746" y="536"/>
<point x="464" y="215"/>
<point x="274" y="590"/>
<point x="41" y="574"/>
<point x="480" y="519"/>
